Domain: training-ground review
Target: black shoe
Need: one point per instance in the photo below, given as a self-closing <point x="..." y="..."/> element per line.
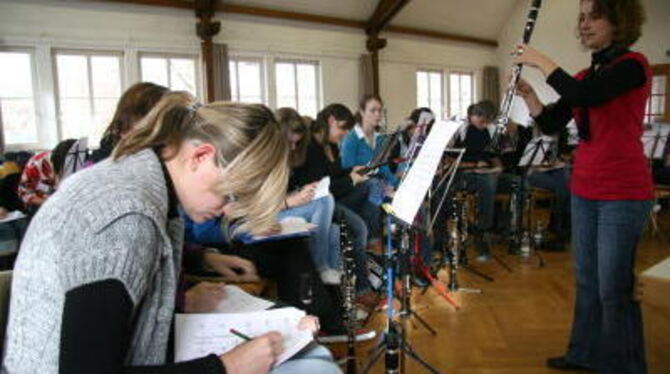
<point x="560" y="363"/>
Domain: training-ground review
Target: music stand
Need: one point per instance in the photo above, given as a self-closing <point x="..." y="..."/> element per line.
<point x="76" y="157"/>
<point x="654" y="141"/>
<point x="404" y="208"/>
<point x="539" y="151"/>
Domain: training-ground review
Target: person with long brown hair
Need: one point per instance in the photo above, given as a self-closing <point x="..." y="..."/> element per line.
<point x="300" y="200"/>
<point x="94" y="287"/>
<point x="611" y="185"/>
<point x="133" y="105"/>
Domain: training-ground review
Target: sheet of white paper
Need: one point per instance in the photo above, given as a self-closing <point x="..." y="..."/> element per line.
<point x="413" y="188"/>
<point x="529" y="152"/>
<point x="197" y="335"/>
<point x="290" y="226"/>
<point x="13" y="216"/>
<point x="235" y="300"/>
<point x="322" y="189"/>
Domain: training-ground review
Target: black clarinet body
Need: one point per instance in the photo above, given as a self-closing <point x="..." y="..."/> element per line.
<point x="348" y="287"/>
<point x="506" y="104"/>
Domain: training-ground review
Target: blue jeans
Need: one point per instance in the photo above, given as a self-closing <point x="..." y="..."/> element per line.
<point x="556" y="181"/>
<point x="313" y="359"/>
<point x="320" y="213"/>
<point x="359" y="200"/>
<point x="359" y="232"/>
<point x="484" y="186"/>
<point x="607" y="327"/>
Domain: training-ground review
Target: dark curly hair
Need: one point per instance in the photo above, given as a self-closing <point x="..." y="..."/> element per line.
<point x="627" y="17"/>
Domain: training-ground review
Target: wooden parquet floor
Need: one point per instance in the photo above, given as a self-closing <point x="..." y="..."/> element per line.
<point x="518" y="321"/>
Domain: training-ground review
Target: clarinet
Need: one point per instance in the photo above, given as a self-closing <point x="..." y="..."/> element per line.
<point x="348" y="289"/>
<point x="506" y="104"/>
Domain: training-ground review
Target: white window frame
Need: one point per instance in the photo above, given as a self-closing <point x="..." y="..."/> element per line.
<point x="88" y="53"/>
<point x="295" y="62"/>
<point x="443" y="79"/>
<point x="263" y="71"/>
<point x="473" y="84"/>
<point x="168" y="56"/>
<point x="36" y="99"/>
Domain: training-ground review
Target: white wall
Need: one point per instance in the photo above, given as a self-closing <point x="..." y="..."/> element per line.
<point x="42" y="25"/>
<point x="555" y="35"/>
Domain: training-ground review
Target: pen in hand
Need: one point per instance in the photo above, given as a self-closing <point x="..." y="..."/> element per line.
<point x="240" y="335"/>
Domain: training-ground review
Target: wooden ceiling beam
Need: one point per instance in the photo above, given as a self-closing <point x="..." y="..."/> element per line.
<point x="311" y="18"/>
<point x="385" y="12"/>
<point x="179" y="4"/>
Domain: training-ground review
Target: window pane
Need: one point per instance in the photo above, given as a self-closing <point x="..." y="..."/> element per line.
<point x="106" y="76"/>
<point x="234" y="94"/>
<point x="436" y="94"/>
<point x="182" y="75"/>
<point x="307" y="89"/>
<point x="72" y="76"/>
<point x="104" y="111"/>
<point x="18" y="121"/>
<point x="16" y="79"/>
<point x="657" y="105"/>
<point x="75" y="117"/>
<point x="154" y="69"/>
<point x="249" y="74"/>
<point x="422" y="89"/>
<point x="658" y="84"/>
<point x="286" y="95"/>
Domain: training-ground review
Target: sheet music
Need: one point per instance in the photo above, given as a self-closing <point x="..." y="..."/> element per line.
<point x="528" y="153"/>
<point x="322" y="189"/>
<point x="197" y="335"/>
<point x="235" y="300"/>
<point x="413" y="188"/>
<point x="654" y="140"/>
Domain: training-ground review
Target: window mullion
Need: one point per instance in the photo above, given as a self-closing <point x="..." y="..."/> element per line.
<point x="91" y="99"/>
<point x="295" y="83"/>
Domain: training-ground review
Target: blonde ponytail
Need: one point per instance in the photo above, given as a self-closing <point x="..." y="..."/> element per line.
<point x="250" y="148"/>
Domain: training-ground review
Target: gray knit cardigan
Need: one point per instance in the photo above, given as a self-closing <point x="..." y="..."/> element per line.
<point x="106" y="222"/>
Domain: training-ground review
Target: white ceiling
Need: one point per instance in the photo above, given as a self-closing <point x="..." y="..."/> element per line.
<point x="477" y="18"/>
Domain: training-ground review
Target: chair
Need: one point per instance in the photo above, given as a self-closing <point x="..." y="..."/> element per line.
<point x="661" y="192"/>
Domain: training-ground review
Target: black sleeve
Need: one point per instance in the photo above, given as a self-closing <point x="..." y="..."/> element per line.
<point x="554" y="117"/>
<point x="96" y="330"/>
<point x="193" y="258"/>
<point x="313" y="169"/>
<point x="600" y="88"/>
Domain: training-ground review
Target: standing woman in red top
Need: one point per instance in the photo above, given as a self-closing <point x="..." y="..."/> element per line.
<point x="611" y="184"/>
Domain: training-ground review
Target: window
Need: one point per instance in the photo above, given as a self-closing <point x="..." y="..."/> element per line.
<point x="89" y="86"/>
<point x="246" y="80"/>
<point x="460" y="93"/>
<point x="178" y="73"/>
<point x="17" y="98"/>
<point x="297" y="86"/>
<point x="658" y="106"/>
<point x="429" y="91"/>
